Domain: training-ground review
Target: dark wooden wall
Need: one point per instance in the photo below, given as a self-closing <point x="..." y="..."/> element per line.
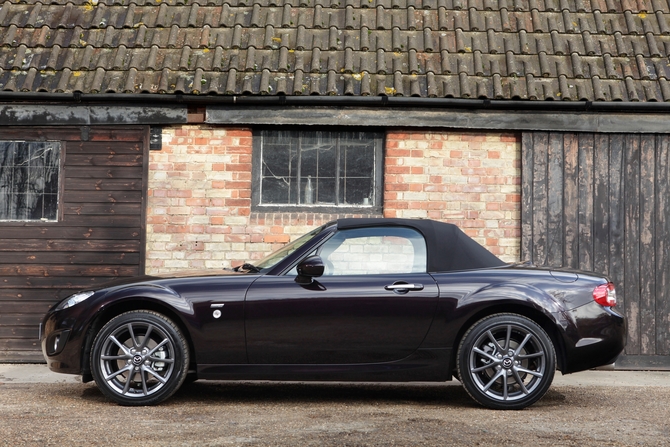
<point x="99" y="236"/>
<point x="601" y="202"/>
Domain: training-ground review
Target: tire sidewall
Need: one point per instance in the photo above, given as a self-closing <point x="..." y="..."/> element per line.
<point x="181" y="354"/>
<point x="467" y="344"/>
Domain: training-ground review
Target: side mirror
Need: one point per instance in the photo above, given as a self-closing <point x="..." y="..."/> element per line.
<point x="309" y="268"/>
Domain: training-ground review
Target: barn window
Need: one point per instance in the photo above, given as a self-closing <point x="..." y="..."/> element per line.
<point x="29" y="172"/>
<point x="313" y="169"/>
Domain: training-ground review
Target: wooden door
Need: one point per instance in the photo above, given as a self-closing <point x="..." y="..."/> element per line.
<point x="98" y="235"/>
<point x="601" y="202"/>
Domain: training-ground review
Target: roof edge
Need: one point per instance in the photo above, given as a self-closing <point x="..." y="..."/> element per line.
<point x="341" y="101"/>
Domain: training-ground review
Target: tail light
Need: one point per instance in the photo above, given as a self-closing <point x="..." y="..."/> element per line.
<point x="605" y="295"/>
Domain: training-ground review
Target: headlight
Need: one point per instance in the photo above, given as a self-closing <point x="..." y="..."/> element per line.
<point x="74" y="299"/>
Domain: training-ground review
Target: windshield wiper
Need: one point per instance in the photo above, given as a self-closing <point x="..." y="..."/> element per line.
<point x="248" y="267"/>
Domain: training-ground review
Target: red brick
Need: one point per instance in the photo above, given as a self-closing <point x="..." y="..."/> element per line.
<point x="397" y="153"/>
<point x="510" y="138"/>
<point x="238" y="202"/>
<point x="276" y="238"/>
<point x="473" y="137"/>
<point x="396" y="187"/>
<point x="243" y="167"/>
<point x="398" y="169"/>
<point x="179" y="193"/>
<point x="237" y="238"/>
<point x="513" y="197"/>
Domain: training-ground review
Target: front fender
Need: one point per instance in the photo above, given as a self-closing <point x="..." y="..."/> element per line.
<point x="118" y="300"/>
<point x="146" y="292"/>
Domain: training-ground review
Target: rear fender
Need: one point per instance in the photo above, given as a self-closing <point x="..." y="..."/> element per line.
<point x="521" y="299"/>
<point x="511" y="293"/>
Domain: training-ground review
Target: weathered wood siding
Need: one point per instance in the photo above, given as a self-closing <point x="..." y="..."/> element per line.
<point x="99" y="235"/>
<point x="601" y="202"/>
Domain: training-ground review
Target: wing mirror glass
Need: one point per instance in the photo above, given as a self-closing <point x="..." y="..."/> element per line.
<point x="309" y="268"/>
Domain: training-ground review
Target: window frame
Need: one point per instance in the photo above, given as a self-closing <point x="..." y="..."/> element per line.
<point x="59" y="188"/>
<point x="256" y="170"/>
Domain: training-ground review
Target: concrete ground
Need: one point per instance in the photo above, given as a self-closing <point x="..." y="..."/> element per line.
<point x="599" y="408"/>
<point x="39" y="373"/>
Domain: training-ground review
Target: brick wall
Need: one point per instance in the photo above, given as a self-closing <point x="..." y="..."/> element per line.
<point x="199" y="213"/>
<point x="470" y="179"/>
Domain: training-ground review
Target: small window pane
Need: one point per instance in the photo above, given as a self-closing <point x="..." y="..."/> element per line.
<point x="325" y="189"/>
<point x="277" y="190"/>
<point x="29" y="174"/>
<point x="357" y="190"/>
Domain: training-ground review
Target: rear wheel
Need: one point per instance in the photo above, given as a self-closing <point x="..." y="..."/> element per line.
<point x="506" y="362"/>
<point x="139" y="358"/>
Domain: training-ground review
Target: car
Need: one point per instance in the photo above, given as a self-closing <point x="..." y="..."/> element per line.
<point x="358" y="299"/>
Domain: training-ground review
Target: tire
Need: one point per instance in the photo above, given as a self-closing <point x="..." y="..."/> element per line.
<point x="139" y="358"/>
<point x="506" y="362"/>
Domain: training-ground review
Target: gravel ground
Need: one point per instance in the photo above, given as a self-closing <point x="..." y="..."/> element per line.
<point x="297" y="414"/>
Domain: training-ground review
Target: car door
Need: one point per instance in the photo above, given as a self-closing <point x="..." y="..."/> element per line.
<point x="374" y="303"/>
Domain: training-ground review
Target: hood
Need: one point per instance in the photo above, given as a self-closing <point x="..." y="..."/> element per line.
<point x="172" y="275"/>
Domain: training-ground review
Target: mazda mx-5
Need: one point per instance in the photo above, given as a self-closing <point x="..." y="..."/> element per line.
<point x="353" y="300"/>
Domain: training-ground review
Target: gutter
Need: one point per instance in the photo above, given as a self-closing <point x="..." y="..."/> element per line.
<point x="337" y="101"/>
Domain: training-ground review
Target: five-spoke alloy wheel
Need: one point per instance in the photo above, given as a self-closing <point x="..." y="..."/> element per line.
<point x="139" y="358"/>
<point x="506" y="362"/>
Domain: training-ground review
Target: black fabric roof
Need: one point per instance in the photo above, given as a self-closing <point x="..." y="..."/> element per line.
<point x="448" y="247"/>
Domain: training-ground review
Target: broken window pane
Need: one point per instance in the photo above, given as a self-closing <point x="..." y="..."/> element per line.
<point x="29" y="173"/>
<point x="317" y="168"/>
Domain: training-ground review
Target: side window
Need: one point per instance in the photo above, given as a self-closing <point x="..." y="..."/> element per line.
<point x="370" y="251"/>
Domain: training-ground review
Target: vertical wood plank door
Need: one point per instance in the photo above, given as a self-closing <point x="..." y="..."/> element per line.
<point x="98" y="234"/>
<point x="601" y="202"/>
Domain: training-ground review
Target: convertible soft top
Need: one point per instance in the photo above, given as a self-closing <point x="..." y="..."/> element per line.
<point x="448" y="247"/>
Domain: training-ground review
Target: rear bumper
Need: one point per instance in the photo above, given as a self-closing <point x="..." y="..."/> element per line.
<point x="595" y="337"/>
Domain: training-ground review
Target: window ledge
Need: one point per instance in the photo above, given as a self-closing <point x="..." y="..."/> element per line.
<point x="321" y="209"/>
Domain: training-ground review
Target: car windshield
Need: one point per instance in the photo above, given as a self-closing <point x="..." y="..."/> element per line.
<point x="279" y="255"/>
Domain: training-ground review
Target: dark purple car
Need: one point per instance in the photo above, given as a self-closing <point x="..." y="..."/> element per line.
<point x="353" y="300"/>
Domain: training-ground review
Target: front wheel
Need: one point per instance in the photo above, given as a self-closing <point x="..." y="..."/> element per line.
<point x="139" y="358"/>
<point x="506" y="362"/>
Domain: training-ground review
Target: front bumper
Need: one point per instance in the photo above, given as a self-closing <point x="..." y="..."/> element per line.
<point x="61" y="340"/>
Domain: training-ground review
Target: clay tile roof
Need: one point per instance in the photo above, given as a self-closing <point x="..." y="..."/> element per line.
<point x="595" y="50"/>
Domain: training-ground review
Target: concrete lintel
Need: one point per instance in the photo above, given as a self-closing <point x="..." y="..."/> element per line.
<point x="84" y="115"/>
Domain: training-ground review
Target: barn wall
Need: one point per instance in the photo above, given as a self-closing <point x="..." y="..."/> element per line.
<point x="200" y="216"/>
<point x="99" y="235"/>
<point x="600" y="202"/>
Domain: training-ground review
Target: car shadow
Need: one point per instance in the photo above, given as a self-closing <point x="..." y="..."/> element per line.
<point x="205" y="392"/>
<point x="320" y="392"/>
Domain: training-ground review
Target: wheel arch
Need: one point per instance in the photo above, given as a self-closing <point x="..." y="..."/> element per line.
<point x="540" y="318"/>
<point x="117" y="308"/>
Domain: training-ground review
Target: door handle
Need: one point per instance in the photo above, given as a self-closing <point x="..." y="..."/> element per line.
<point x="403" y="287"/>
